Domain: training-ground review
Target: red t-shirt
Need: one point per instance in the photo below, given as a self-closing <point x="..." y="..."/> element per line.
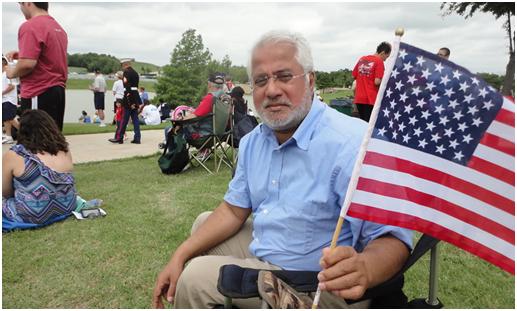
<point x="43" y="39"/>
<point x="119" y="114"/>
<point x="205" y="106"/>
<point x="365" y="71"/>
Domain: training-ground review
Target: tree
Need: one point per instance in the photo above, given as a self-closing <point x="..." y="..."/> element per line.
<point x="184" y="79"/>
<point x="498" y="9"/>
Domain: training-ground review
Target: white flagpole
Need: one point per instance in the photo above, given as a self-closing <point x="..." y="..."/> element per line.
<point x="362" y="151"/>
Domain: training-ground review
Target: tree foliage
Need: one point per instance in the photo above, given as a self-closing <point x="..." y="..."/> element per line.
<point x="106" y="63"/>
<point x="183" y="81"/>
<point x="340" y="78"/>
<point x="498" y="9"/>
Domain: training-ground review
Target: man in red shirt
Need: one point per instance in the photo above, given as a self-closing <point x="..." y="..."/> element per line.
<point x="368" y="74"/>
<point x="215" y="87"/>
<point x="42" y="65"/>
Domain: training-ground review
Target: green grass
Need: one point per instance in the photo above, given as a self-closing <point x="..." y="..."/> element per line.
<point x="140" y="66"/>
<point x="112" y="262"/>
<point x="327" y="97"/>
<point x="83" y="84"/>
<point x="89" y="128"/>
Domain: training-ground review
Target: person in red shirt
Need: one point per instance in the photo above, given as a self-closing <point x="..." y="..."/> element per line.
<point x="215" y="87"/>
<point x="368" y="74"/>
<point x="42" y="65"/>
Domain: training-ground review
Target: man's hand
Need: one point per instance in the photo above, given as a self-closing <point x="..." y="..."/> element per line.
<point x="11" y="55"/>
<point x="344" y="272"/>
<point x="165" y="287"/>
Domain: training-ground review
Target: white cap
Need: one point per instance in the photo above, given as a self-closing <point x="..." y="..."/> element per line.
<point x="126" y="60"/>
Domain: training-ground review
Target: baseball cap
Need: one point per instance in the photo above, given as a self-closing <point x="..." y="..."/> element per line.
<point x="216" y="77"/>
<point x="119" y="74"/>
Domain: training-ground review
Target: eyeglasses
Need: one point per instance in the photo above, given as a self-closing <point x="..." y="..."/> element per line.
<point x="283" y="77"/>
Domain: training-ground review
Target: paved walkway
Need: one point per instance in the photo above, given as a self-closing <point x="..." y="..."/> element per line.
<point x="96" y="147"/>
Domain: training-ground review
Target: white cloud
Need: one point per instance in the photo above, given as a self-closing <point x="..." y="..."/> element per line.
<point x="339" y="32"/>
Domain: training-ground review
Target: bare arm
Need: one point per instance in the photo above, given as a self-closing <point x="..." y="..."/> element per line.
<point x="349" y="274"/>
<point x="377" y="81"/>
<point x="23" y="67"/>
<point x="9" y="88"/>
<point x="7" y="174"/>
<point x="225" y="221"/>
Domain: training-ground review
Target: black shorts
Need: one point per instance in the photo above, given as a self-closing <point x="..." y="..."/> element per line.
<point x="8" y="111"/>
<point x="51" y="101"/>
<point x="98" y="100"/>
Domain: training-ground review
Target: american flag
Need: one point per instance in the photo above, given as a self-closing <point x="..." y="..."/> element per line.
<point x="441" y="157"/>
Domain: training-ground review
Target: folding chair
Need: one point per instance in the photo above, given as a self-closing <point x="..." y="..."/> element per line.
<point x="237" y="282"/>
<point x="210" y="136"/>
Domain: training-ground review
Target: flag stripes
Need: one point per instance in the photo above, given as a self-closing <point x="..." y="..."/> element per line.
<point x="493" y="170"/>
<point x="498" y="143"/>
<point x="441" y="232"/>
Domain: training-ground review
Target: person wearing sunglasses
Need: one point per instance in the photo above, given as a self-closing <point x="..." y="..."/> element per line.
<point x="292" y="175"/>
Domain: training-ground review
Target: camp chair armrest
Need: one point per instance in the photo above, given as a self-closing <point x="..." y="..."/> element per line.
<point x="193" y="120"/>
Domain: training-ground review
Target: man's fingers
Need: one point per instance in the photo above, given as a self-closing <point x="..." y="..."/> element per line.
<point x="355" y="292"/>
<point x="331" y="257"/>
<point x="157" y="299"/>
<point x="170" y="293"/>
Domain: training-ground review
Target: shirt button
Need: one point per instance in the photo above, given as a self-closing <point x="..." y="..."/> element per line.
<point x="273" y="182"/>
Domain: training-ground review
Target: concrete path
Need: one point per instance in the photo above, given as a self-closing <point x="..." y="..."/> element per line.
<point x="96" y="147"/>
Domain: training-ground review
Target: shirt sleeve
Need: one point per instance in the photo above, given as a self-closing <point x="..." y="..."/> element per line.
<point x="28" y="44"/>
<point x="205" y="106"/>
<point x="379" y="69"/>
<point x="238" y="193"/>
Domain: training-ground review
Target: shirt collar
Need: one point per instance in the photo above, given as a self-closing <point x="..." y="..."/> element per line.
<point x="303" y="134"/>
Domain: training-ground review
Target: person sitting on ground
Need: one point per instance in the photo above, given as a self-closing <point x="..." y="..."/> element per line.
<point x="294" y="196"/>
<point x="85" y="118"/>
<point x="38" y="187"/>
<point x="149" y="114"/>
<point x="9" y="105"/>
<point x="164" y="109"/>
<point x="96" y="118"/>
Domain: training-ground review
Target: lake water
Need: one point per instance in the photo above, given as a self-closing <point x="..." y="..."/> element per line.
<point x="79" y="100"/>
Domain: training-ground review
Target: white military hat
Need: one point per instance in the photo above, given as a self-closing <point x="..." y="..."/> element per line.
<point x="126" y="60"/>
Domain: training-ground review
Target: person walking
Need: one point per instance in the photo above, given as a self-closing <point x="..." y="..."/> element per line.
<point x="131" y="103"/>
<point x="99" y="89"/>
<point x="42" y="63"/>
<point x="9" y="105"/>
<point x="118" y="92"/>
<point x="368" y="74"/>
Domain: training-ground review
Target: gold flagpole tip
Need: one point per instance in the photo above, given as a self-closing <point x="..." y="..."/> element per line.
<point x="399" y="32"/>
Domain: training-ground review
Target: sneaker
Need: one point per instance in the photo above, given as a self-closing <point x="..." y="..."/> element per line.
<point x="102" y="125"/>
<point x="7" y="140"/>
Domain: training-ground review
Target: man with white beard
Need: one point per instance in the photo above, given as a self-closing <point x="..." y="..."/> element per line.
<point x="292" y="175"/>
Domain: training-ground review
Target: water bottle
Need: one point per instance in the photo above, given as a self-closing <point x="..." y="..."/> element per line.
<point x="14" y="81"/>
<point x="94" y="203"/>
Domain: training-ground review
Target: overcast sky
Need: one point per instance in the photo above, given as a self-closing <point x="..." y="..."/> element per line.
<point x="339" y="33"/>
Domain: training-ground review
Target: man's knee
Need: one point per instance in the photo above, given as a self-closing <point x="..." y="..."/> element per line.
<point x="201" y="218"/>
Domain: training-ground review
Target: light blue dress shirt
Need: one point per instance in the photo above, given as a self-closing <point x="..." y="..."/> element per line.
<point x="296" y="189"/>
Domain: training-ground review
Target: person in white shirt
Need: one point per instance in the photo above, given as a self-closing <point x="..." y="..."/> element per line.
<point x="118" y="92"/>
<point x="99" y="89"/>
<point x="9" y="101"/>
<point x="150" y="114"/>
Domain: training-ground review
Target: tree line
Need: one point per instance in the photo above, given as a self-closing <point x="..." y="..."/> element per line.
<point x="105" y="63"/>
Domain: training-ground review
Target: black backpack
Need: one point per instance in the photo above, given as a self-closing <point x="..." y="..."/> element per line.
<point x="175" y="154"/>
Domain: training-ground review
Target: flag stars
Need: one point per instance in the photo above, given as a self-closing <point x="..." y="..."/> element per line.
<point x="487" y="105"/>
<point x="396" y="115"/>
<point x="440" y="149"/>
<point x="420" y="102"/>
<point x="430" y="86"/>
<point x="453" y="144"/>
<point x="386" y="112"/>
<point x="430" y="126"/>
<point x="402" y="54"/>
<point x="449" y="92"/>
<point x="453" y="103"/>
<point x="405" y="138"/>
<point x="422" y="143"/>
<point x="403" y="97"/>
<point x="391" y="123"/>
<point x="434" y="97"/>
<point x="474" y="81"/>
<point x="393" y="103"/>
<point x="407" y="109"/>
<point x="458" y="155"/>
<point x="464" y="86"/>
<point x="456" y="74"/>
<point x="426" y="73"/>
<point x="420" y="60"/>
<point x="473" y="110"/>
<point x="402" y="126"/>
<point x="416" y="91"/>
<point x="468" y="99"/>
<point x="381" y="132"/>
<point x="407" y="66"/>
<point x="417" y="132"/>
<point x="412" y="120"/>
<point x="444" y="80"/>
<point x="467" y="138"/>
<point x="412" y="79"/>
<point x="435" y="137"/>
<point x="448" y="132"/>
<point x="399" y="85"/>
<point x="477" y="121"/>
<point x="444" y="120"/>
<point x="439" y="109"/>
<point x="389" y="92"/>
<point x="394" y="73"/>
<point x="483" y="92"/>
<point x="462" y="126"/>
<point x="425" y="114"/>
<point x="394" y="135"/>
<point x="438" y="67"/>
<point x="458" y="115"/>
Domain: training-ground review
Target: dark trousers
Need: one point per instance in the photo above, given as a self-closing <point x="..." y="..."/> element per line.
<point x="365" y="111"/>
<point x="52" y="101"/>
<point x="121" y="129"/>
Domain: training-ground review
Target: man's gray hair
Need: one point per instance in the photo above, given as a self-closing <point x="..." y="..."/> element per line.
<point x="302" y="54"/>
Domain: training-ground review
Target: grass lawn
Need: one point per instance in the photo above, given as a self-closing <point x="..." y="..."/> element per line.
<point x="83" y="84"/>
<point x="89" y="128"/>
<point x="327" y="97"/>
<point x="112" y="262"/>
